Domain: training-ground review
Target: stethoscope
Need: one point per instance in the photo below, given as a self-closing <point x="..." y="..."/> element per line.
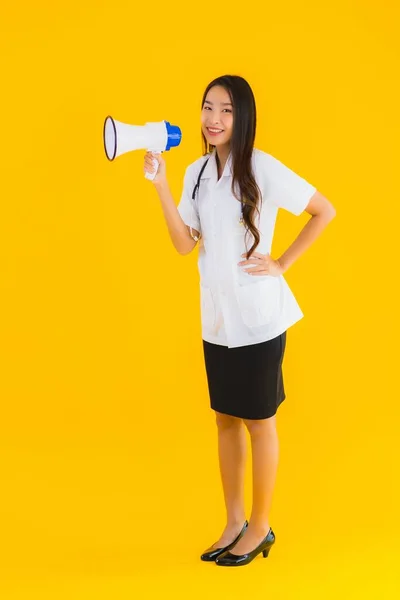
<point x="196" y="189"/>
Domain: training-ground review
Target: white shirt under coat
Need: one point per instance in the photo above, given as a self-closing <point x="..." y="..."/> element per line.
<point x="238" y="309"/>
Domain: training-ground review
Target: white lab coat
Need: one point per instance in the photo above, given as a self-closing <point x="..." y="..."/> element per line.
<point x="238" y="309"/>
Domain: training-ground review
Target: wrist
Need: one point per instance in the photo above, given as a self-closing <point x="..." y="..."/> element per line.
<point x="161" y="184"/>
<point x="282" y="267"/>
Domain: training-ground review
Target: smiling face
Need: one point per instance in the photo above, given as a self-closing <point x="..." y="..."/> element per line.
<point x="217" y="116"/>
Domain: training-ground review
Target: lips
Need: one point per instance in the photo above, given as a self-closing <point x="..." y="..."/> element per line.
<point x="214" y="132"/>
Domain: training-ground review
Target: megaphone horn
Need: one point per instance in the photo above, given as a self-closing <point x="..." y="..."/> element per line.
<point x="120" y="138"/>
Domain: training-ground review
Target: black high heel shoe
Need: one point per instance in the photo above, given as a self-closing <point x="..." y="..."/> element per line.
<point x="213" y="553"/>
<point x="227" y="559"/>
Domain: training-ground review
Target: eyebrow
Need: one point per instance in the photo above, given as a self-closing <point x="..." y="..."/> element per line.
<point x="222" y="103"/>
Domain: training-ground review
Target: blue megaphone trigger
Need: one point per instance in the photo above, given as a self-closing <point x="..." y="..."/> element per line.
<point x="174" y="135"/>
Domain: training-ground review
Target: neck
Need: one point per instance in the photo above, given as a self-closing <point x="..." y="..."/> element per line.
<point x="222" y="153"/>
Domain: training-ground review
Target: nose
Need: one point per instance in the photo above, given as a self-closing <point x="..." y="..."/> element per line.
<point x="214" y="119"/>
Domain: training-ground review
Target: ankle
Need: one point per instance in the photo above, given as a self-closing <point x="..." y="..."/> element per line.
<point x="260" y="527"/>
<point x="234" y="522"/>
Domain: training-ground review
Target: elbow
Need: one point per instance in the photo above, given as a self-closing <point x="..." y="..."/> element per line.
<point x="184" y="252"/>
<point x="331" y="210"/>
<point x="328" y="213"/>
<point x="325" y="216"/>
<point x="319" y="206"/>
<point x="332" y="213"/>
<point x="328" y="216"/>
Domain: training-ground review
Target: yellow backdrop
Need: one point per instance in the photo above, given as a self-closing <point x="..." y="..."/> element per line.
<point x="109" y="474"/>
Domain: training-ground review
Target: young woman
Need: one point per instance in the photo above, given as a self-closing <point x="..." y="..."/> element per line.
<point x="230" y="200"/>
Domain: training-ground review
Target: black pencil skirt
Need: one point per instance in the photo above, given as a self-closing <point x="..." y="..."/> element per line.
<point x="246" y="381"/>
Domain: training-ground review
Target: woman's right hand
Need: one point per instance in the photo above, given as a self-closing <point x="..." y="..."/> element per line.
<point x="149" y="167"/>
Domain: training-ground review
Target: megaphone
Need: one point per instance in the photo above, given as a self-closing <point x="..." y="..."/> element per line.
<point x="154" y="137"/>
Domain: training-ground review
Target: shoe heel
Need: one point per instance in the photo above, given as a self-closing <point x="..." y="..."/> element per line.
<point x="266" y="552"/>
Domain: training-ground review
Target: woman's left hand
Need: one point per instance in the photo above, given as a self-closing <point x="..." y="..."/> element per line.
<point x="265" y="265"/>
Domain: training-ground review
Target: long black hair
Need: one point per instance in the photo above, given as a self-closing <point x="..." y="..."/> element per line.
<point x="241" y="144"/>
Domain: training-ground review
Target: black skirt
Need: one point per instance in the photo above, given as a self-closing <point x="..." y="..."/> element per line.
<point x="246" y="381"/>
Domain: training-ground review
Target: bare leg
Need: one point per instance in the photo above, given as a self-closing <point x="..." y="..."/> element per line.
<point x="232" y="462"/>
<point x="265" y="452"/>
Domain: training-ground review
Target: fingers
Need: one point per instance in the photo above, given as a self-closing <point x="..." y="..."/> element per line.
<point x="148" y="162"/>
<point x="148" y="158"/>
<point x="150" y="155"/>
<point x="157" y="170"/>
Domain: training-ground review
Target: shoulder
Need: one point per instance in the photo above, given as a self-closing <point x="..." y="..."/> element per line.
<point x="262" y="158"/>
<point x="263" y="164"/>
<point x="269" y="167"/>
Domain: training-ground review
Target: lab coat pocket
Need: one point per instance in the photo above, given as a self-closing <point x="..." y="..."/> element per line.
<point x="259" y="302"/>
<point x="208" y="313"/>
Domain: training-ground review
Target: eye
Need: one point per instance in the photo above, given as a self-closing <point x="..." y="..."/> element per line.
<point x="205" y="107"/>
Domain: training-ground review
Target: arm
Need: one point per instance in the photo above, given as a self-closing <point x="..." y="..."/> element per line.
<point x="322" y="212"/>
<point x="178" y="230"/>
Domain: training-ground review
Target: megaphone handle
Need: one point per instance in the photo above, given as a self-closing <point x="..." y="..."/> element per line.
<point x="155" y="163"/>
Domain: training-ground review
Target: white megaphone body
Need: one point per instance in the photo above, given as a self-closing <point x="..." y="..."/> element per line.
<point x="157" y="137"/>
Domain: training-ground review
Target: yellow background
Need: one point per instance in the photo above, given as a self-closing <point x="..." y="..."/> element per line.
<point x="110" y="485"/>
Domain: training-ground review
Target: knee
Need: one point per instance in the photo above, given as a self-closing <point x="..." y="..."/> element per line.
<point x="224" y="421"/>
<point x="261" y="426"/>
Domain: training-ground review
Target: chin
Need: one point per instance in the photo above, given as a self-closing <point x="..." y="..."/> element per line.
<point x="215" y="142"/>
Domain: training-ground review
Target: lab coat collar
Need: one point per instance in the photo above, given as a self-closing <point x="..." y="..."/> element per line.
<point x="211" y="170"/>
